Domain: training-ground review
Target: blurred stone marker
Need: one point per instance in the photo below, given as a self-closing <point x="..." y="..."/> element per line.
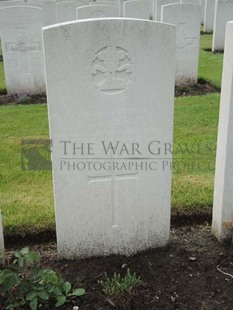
<point x="202" y="10"/>
<point x="137" y="9"/>
<point x="66" y="10"/>
<point x="186" y="17"/>
<point x="21" y="38"/>
<point x="222" y="225"/>
<point x="209" y="16"/>
<point x="48" y="8"/>
<point x="97" y="11"/>
<point x="223" y="14"/>
<point x="158" y="7"/>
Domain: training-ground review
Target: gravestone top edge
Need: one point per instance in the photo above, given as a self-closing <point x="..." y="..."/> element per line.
<point x="101" y="20"/>
<point x="21" y="7"/>
<point x="182" y="5"/>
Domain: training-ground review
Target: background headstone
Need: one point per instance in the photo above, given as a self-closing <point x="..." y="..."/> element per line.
<point x="186" y="17"/>
<point x="202" y="11"/>
<point x="209" y="16"/>
<point x="107" y="90"/>
<point x="66" y="10"/>
<point x="191" y="1"/>
<point x="223" y="193"/>
<point x="48" y="8"/>
<point x="21" y="38"/>
<point x="197" y="2"/>
<point x="137" y="9"/>
<point x="158" y="7"/>
<point x="121" y="7"/>
<point x="223" y="14"/>
<point x="97" y="11"/>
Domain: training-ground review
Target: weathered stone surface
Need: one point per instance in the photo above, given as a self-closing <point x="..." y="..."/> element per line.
<point x="222" y="225"/>
<point x="21" y="37"/>
<point x="108" y="91"/>
<point x="48" y="8"/>
<point x="137" y="9"/>
<point x="97" y="11"/>
<point x="158" y="7"/>
<point x="66" y="10"/>
<point x="223" y="14"/>
<point x="209" y="16"/>
<point x="186" y="17"/>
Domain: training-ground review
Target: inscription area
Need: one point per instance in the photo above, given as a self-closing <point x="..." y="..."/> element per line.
<point x="183" y="40"/>
<point x="22" y="46"/>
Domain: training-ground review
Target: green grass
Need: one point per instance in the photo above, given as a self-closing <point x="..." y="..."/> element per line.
<point x="210" y="64"/>
<point x="27" y="196"/>
<point x="196" y="121"/>
<point x="2" y="76"/>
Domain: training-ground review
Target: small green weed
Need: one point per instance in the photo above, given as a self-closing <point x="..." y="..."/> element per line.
<point x="25" y="284"/>
<point x="118" y="284"/>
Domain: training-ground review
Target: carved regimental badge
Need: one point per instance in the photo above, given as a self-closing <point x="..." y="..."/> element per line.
<point x="111" y="70"/>
<point x="22" y="46"/>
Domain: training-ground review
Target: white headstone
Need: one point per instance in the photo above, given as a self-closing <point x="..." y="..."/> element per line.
<point x="186" y="17"/>
<point x="223" y="14"/>
<point x="198" y="2"/>
<point x="97" y="11"/>
<point x="106" y="2"/>
<point x="21" y="38"/>
<point x="108" y="91"/>
<point x="137" y="9"/>
<point x="152" y="9"/>
<point x="191" y="1"/>
<point x="66" y="10"/>
<point x="222" y="225"/>
<point x="158" y="7"/>
<point x="121" y="7"/>
<point x="209" y="16"/>
<point x="48" y="8"/>
<point x="202" y="11"/>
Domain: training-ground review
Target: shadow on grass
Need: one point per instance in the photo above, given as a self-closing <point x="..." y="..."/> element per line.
<point x="210" y="51"/>
<point x="203" y="33"/>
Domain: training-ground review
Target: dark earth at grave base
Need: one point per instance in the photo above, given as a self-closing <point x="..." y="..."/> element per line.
<point x="201" y="88"/>
<point x="183" y="275"/>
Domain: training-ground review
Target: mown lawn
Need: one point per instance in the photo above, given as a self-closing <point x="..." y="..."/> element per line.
<point x="210" y="64"/>
<point x="27" y="196"/>
<point x="2" y="77"/>
<point x="195" y="125"/>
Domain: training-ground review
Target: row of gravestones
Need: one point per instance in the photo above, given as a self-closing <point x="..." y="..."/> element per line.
<point x="217" y="14"/>
<point x="20" y="31"/>
<point x="21" y="34"/>
<point x="110" y="111"/>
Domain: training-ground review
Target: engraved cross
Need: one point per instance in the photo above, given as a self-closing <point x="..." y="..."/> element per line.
<point x="113" y="177"/>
